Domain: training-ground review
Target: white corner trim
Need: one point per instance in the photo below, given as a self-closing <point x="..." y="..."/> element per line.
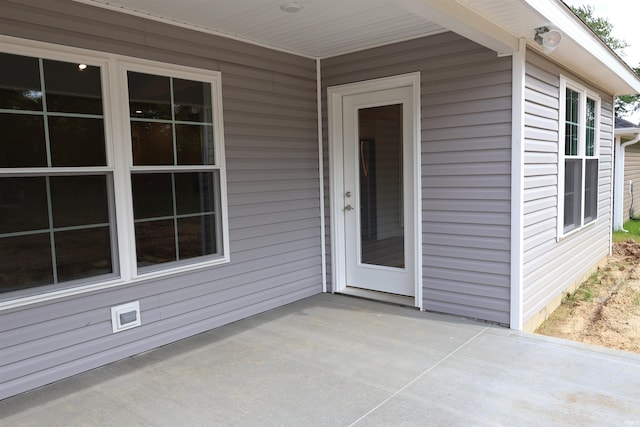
<point x="516" y="320"/>
<point x="323" y="242"/>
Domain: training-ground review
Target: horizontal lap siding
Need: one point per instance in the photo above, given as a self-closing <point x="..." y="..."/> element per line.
<point x="465" y="172"/>
<point x="551" y="266"/>
<point x="273" y="197"/>
<point x="631" y="173"/>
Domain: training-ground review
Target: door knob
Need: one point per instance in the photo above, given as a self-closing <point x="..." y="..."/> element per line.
<point x="348" y="208"/>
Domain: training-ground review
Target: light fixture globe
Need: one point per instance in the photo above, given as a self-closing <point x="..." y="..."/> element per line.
<point x="548" y="39"/>
<point x="291" y="7"/>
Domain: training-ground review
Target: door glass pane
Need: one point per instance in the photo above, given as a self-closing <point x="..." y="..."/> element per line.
<point x="380" y="190"/>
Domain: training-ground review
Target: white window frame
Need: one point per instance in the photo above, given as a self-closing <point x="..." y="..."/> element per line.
<point x="583" y="93"/>
<point x="120" y="163"/>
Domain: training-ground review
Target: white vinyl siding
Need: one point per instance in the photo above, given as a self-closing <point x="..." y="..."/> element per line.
<point x="466" y="166"/>
<point x="550" y="265"/>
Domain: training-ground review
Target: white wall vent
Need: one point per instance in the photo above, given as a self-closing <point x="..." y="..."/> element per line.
<point x="125" y="316"/>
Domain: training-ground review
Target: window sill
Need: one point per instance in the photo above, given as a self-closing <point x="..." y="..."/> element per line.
<point x="108" y="284"/>
<point x="577" y="230"/>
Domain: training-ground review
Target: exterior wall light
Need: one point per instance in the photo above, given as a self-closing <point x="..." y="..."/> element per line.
<point x="548" y="39"/>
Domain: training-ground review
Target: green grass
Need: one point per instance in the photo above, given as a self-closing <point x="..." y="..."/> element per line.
<point x="633" y="228"/>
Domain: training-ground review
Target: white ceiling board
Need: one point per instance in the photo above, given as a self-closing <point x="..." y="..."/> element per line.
<point x="321" y="29"/>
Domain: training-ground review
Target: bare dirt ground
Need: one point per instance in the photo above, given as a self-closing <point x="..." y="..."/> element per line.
<point x="605" y="310"/>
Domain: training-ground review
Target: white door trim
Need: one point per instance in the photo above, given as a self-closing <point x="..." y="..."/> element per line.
<point x="335" y="96"/>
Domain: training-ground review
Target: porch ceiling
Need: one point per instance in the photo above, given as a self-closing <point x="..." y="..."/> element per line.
<point x="321" y="29"/>
<point x="325" y="28"/>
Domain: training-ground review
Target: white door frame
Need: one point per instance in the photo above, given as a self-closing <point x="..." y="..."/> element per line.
<point x="335" y="96"/>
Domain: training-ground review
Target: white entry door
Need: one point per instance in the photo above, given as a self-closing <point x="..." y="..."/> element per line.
<point x="378" y="190"/>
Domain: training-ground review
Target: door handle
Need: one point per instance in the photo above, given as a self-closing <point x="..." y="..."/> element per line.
<point x="348" y="208"/>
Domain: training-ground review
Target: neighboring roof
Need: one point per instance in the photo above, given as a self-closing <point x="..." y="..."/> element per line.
<point x="325" y="28"/>
<point x="626" y="129"/>
<point x="622" y="123"/>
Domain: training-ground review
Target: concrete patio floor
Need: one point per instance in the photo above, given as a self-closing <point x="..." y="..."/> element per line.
<point x="339" y="361"/>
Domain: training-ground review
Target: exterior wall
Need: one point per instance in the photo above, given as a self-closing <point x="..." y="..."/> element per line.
<point x="631" y="173"/>
<point x="270" y="119"/>
<point x="466" y="154"/>
<point x="550" y="266"/>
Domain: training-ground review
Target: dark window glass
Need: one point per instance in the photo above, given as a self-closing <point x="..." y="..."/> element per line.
<point x="25" y="262"/>
<point x="591" y="127"/>
<point x="152" y="143"/>
<point x="155" y="242"/>
<point x="192" y="101"/>
<point x="572" y="193"/>
<point x="22" y="141"/>
<point x="23" y="204"/>
<point x="149" y="96"/>
<point x="197" y="236"/>
<point x="83" y="253"/>
<point x="152" y="195"/>
<point x="571" y="122"/>
<point x="194" y="192"/>
<point x="77" y="141"/>
<point x="195" y="145"/>
<point x="20" y="83"/>
<point x="72" y="88"/>
<point x="591" y="190"/>
<point x="79" y="200"/>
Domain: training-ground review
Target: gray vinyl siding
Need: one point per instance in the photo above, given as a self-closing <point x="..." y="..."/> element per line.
<point x="465" y="173"/>
<point x="270" y="124"/>
<point x="631" y="173"/>
<point x="550" y="266"/>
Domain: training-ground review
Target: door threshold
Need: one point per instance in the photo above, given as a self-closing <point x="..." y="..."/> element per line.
<point x="402" y="300"/>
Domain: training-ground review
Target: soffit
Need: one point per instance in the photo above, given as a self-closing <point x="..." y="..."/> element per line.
<point x="321" y="29"/>
<point x="325" y="28"/>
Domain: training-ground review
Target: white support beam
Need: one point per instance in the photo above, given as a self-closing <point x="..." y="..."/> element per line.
<point x="463" y="21"/>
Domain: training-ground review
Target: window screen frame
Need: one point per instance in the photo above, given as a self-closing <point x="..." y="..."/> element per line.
<point x="582" y="156"/>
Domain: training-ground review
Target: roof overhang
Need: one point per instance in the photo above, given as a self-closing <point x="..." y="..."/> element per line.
<point x="326" y="28"/>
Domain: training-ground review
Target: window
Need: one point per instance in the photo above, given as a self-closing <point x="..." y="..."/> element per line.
<point x="84" y="203"/>
<point x="579" y="158"/>
<point x="174" y="178"/>
<point x="56" y="212"/>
